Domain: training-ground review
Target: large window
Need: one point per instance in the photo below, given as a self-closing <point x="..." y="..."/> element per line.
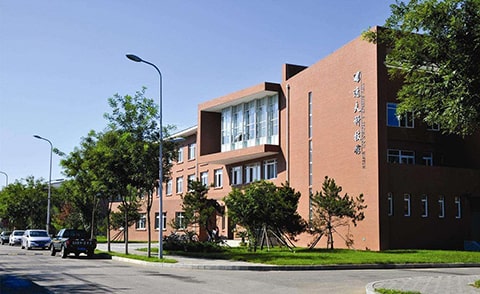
<point x="142" y="222"/>
<point x="393" y="120"/>
<point x="164" y="221"/>
<point x="179" y="185"/>
<point x="400" y="156"/>
<point x="236" y="175"/>
<point x="180" y="220"/>
<point x="218" y="181"/>
<point x="191" y="151"/>
<point x="169" y="187"/>
<point x="270" y="169"/>
<point x="250" y="124"/>
<point x="204" y="178"/>
<point x="180" y="154"/>
<point x="252" y="172"/>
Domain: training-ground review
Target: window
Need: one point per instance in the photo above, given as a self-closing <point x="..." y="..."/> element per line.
<point x="218" y="181"/>
<point x="141" y="223"/>
<point x="191" y="178"/>
<point x="191" y="151"/>
<point x="393" y="120"/>
<point x="427" y="158"/>
<point x="400" y="156"/>
<point x="180" y="220"/>
<point x="180" y="154"/>
<point x="236" y="176"/>
<point x="204" y="178"/>
<point x="252" y="172"/>
<point x="406" y="205"/>
<point x="179" y="185"/>
<point x="390" y="204"/>
<point x="434" y="127"/>
<point x="164" y="221"/>
<point x="458" y="206"/>
<point x="270" y="169"/>
<point x="441" y="207"/>
<point x="169" y="187"/>
<point x="424" y="205"/>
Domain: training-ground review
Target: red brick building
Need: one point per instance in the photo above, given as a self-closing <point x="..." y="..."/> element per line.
<point x="336" y="118"/>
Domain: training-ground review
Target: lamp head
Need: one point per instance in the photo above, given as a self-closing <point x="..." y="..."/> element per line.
<point x="134" y="58"/>
<point x="37" y="136"/>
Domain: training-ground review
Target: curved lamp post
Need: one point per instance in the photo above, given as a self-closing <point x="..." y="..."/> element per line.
<point x="49" y="181"/>
<point x="160" y="157"/>
<point x="6" y="177"/>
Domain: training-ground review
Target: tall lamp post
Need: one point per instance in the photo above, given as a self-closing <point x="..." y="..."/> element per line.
<point x="160" y="157"/>
<point x="6" y="177"/>
<point x="49" y="181"/>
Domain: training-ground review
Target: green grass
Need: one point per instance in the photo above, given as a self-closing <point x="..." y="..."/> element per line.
<point x="476" y="284"/>
<point x="390" y="291"/>
<point x="303" y="256"/>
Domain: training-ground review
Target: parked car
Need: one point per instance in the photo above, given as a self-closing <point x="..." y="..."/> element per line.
<point x="4" y="237"/>
<point x="36" y="239"/>
<point x="15" y="237"/>
<point x="73" y="241"/>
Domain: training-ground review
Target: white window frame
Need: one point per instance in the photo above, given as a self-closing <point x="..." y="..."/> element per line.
<point x="252" y="172"/>
<point x="180" y="220"/>
<point x="458" y="207"/>
<point x="427" y="158"/>
<point x="424" y="201"/>
<point x="218" y="180"/>
<point x="400" y="156"/>
<point x="405" y="121"/>
<point x="179" y="185"/>
<point x="192" y="149"/>
<point x="441" y="207"/>
<point x="390" y="204"/>
<point x="204" y="178"/>
<point x="406" y="205"/>
<point x="270" y="169"/>
<point x="164" y="221"/>
<point x="168" y="187"/>
<point x="236" y="175"/>
<point x="180" y="155"/>
<point x="141" y="224"/>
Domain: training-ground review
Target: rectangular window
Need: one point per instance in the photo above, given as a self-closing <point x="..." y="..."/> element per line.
<point x="142" y="222"/>
<point x="390" y="204"/>
<point x="218" y="181"/>
<point x="191" y="178"/>
<point x="180" y="155"/>
<point x="400" y="156"/>
<point x="179" y="185"/>
<point x="406" y="204"/>
<point x="169" y="187"/>
<point x="427" y="158"/>
<point x="180" y="220"/>
<point x="236" y="175"/>
<point x="393" y="120"/>
<point x="164" y="221"/>
<point x="441" y="207"/>
<point x="191" y="151"/>
<point x="458" y="206"/>
<point x="270" y="169"/>
<point x="204" y="178"/>
<point x="424" y="206"/>
<point x="252" y="172"/>
<point x="434" y="127"/>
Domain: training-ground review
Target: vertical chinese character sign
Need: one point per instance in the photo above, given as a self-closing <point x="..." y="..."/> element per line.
<point x="359" y="117"/>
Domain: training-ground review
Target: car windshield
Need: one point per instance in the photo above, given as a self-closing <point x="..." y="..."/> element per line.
<point x="38" y="234"/>
<point x="18" y="233"/>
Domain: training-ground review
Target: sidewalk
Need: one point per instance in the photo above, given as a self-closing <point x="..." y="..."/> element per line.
<point x="438" y="285"/>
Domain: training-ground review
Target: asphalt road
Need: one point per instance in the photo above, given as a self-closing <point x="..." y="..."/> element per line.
<point x="35" y="271"/>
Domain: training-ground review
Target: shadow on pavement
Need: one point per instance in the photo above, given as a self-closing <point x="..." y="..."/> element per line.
<point x="15" y="285"/>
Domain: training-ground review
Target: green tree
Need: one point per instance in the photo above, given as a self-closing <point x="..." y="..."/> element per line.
<point x="198" y="209"/>
<point x="433" y="46"/>
<point x="331" y="210"/>
<point x="262" y="205"/>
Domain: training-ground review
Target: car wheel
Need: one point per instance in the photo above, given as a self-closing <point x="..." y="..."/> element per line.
<point x="53" y="251"/>
<point x="22" y="246"/>
<point x="63" y="252"/>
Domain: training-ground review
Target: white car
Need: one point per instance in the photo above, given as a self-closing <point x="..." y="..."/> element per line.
<point x="36" y="239"/>
<point x="15" y="237"/>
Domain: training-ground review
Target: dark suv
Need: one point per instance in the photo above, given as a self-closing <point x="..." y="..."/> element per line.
<point x="4" y="236"/>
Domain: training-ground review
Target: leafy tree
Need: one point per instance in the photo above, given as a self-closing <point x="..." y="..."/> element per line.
<point x="24" y="204"/>
<point x="262" y="205"/>
<point x="331" y="210"/>
<point x="118" y="218"/>
<point x="198" y="208"/>
<point x="433" y="46"/>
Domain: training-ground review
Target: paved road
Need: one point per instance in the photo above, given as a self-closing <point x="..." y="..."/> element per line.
<point x="42" y="273"/>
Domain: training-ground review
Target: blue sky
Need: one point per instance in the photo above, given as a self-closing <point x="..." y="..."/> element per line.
<point x="61" y="60"/>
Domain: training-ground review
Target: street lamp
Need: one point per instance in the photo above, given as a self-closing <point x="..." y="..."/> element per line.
<point x="6" y="177"/>
<point x="160" y="157"/>
<point x="49" y="180"/>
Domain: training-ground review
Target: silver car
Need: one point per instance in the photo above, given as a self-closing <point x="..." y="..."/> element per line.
<point x="36" y="239"/>
<point x="15" y="237"/>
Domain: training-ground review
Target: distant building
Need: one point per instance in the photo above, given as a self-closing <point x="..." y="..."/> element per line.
<point x="335" y="118"/>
